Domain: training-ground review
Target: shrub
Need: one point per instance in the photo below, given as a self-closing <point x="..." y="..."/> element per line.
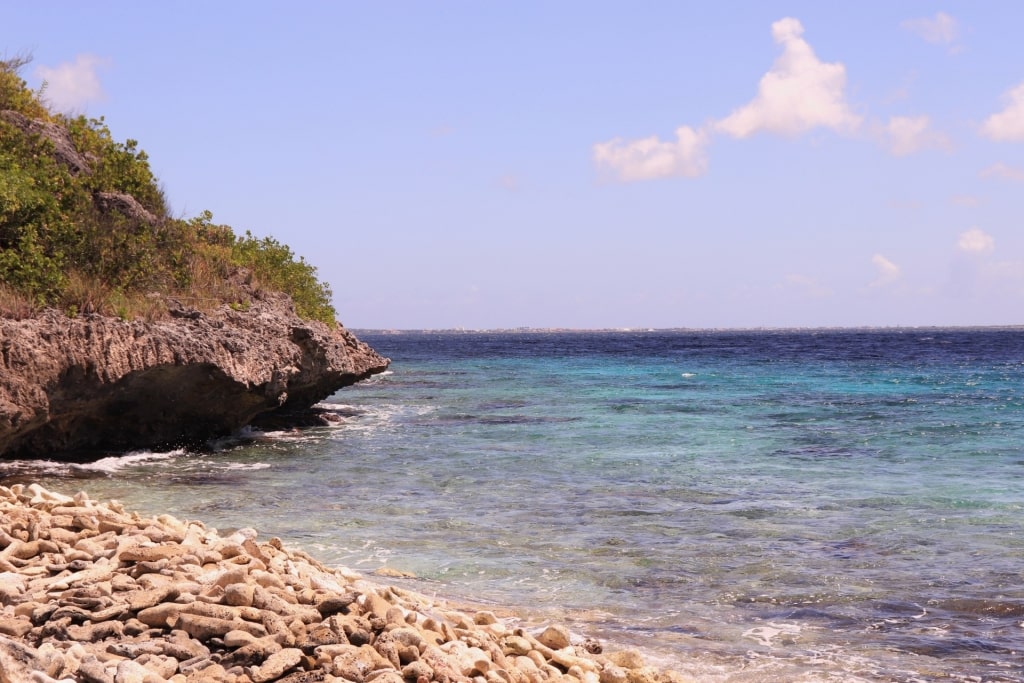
<point x="275" y="267"/>
<point x="101" y="240"/>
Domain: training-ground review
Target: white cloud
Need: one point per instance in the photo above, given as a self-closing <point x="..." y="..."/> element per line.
<point x="72" y="85"/>
<point x="650" y="157"/>
<point x="941" y="29"/>
<point x="909" y="134"/>
<point x="799" y="92"/>
<point x="887" y="272"/>
<point x="975" y="241"/>
<point x="1007" y="125"/>
<point x="1004" y="172"/>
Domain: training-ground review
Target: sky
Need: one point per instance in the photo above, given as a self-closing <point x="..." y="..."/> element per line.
<point x="581" y="164"/>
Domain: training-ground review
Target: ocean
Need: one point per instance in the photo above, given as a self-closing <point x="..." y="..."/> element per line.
<point x="832" y="505"/>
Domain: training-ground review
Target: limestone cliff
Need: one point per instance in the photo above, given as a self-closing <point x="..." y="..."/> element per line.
<point x="94" y="383"/>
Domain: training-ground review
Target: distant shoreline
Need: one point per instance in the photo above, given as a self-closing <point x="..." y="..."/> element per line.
<point x="687" y="330"/>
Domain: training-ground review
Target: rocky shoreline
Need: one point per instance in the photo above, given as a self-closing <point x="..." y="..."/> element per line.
<point x="93" y="593"/>
<point x="70" y="387"/>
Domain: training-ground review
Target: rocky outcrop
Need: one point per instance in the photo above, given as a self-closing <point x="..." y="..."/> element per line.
<point x="63" y="146"/>
<point x="74" y="385"/>
<point x="95" y="594"/>
<point x="125" y="204"/>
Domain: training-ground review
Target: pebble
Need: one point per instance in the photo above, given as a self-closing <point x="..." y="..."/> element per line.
<point x="90" y="592"/>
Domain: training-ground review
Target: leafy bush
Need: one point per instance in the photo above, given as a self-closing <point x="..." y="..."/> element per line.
<point x="99" y="239"/>
<point x="275" y="267"/>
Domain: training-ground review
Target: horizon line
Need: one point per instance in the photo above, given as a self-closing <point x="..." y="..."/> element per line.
<point x="763" y="328"/>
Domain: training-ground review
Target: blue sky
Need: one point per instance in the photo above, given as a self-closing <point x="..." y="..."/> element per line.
<point x="582" y="164"/>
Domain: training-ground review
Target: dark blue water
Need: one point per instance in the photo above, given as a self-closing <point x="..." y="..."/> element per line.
<point x="748" y="506"/>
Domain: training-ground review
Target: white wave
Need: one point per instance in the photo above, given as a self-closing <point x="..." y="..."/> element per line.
<point x="116" y="463"/>
<point x="108" y="465"/>
<point x="239" y="466"/>
<point x="379" y="377"/>
<point x="689" y="374"/>
<point x="12" y="467"/>
<point x="766" y="634"/>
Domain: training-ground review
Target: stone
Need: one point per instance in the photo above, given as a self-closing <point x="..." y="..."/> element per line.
<point x="484" y="618"/>
<point x="91" y="620"/>
<point x="335" y="604"/>
<point x="161" y="615"/>
<point x="239" y="594"/>
<point x="254" y="653"/>
<point x="18" y="661"/>
<point x="644" y="674"/>
<point x="237" y="638"/>
<point x="384" y="676"/>
<point x="556" y="637"/>
<point x="182" y="647"/>
<point x="152" y="553"/>
<point x="516" y="645"/>
<point x="201" y="627"/>
<point x="91" y="670"/>
<point x="416" y="670"/>
<point x="627" y="659"/>
<point x="152" y="597"/>
<point x="129" y="671"/>
<point x="15" y="626"/>
<point x="305" y="677"/>
<point x="161" y="665"/>
<point x="319" y="636"/>
<point x="613" y="674"/>
<point x="277" y="665"/>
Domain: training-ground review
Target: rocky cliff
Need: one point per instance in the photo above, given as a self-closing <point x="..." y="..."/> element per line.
<point x="70" y="386"/>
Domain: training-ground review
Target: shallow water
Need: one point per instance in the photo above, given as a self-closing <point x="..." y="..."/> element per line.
<point x="747" y="506"/>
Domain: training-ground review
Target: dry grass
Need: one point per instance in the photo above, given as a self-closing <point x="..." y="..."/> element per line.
<point x="15" y="305"/>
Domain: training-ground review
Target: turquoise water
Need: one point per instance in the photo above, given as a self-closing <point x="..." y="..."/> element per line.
<point x="746" y="506"/>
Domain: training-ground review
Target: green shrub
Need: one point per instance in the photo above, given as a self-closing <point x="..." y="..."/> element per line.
<point x="62" y="245"/>
<point x="275" y="267"/>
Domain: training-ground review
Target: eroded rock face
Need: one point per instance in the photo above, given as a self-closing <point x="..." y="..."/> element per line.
<point x="71" y="385"/>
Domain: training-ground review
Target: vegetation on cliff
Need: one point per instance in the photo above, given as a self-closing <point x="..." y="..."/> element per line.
<point x="85" y="227"/>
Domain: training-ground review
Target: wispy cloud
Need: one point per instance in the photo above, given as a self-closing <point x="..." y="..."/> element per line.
<point x="941" y="29"/>
<point x="1008" y="124"/>
<point x="73" y="85"/>
<point x="886" y="272"/>
<point x="1003" y="172"/>
<point x="975" y="241"/>
<point x="651" y="157"/>
<point x="906" y="135"/>
<point x="799" y="92"/>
